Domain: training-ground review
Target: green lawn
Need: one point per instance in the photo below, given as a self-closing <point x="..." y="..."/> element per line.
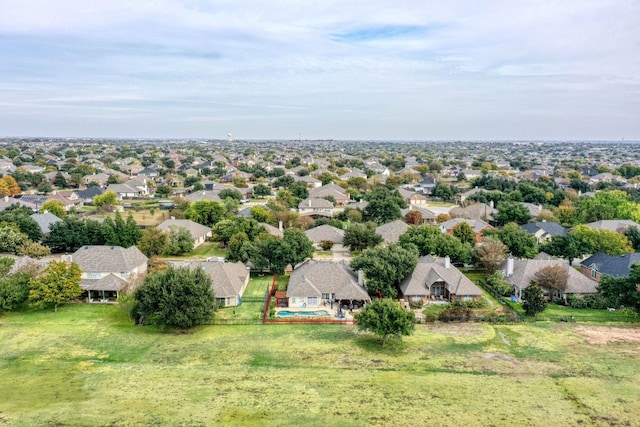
<point x="88" y="366"/>
<point x="207" y="249"/>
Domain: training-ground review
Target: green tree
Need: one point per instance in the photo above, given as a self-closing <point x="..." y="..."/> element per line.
<point x="633" y="235"/>
<point x="180" y="241"/>
<point x="162" y="191"/>
<point x="59" y="180"/>
<point x="534" y="301"/>
<point x="500" y="284"/>
<point x="19" y="217"/>
<point x="464" y="232"/>
<point x="385" y="204"/>
<point x="106" y="200"/>
<point x="605" y="205"/>
<point x="298" y="246"/>
<point x="230" y="193"/>
<point x="14" y="290"/>
<point x="521" y="244"/>
<point x="67" y="235"/>
<point x="376" y="262"/>
<point x="261" y="190"/>
<point x="386" y="318"/>
<point x="205" y="212"/>
<point x="607" y="241"/>
<point x="153" y="242"/>
<point x="225" y="229"/>
<point x="360" y="236"/>
<point x="54" y="207"/>
<point x="57" y="284"/>
<point x="512" y="212"/>
<point x="11" y="239"/>
<point x="622" y="291"/>
<point x="568" y="247"/>
<point x="239" y="248"/>
<point x="33" y="249"/>
<point x="175" y="298"/>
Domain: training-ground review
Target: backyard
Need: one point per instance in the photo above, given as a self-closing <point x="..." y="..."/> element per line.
<point x="87" y="365"/>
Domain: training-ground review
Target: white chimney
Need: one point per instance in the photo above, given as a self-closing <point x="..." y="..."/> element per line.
<point x="491" y="204"/>
<point x="280" y="225"/>
<point x="6" y="199"/>
<point x="361" y="277"/>
<point x="447" y="262"/>
<point x="509" y="266"/>
<point x="173" y="217"/>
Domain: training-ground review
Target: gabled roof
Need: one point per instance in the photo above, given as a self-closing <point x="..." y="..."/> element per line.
<point x="314" y="278"/>
<point x="109" y="282"/>
<point x="274" y="231"/>
<point x="613" y="224"/>
<point x="330" y="189"/>
<point x="325" y="232"/>
<point x="549" y="228"/>
<point x="108" y="258"/>
<point x="430" y="270"/>
<point x="45" y="221"/>
<point x="474" y="211"/>
<point x="477" y="224"/>
<point x="524" y="271"/>
<point x="315" y="203"/>
<point x="426" y="213"/>
<point x="197" y="230"/>
<point x="615" y="266"/>
<point x="227" y="278"/>
<point x="392" y="231"/>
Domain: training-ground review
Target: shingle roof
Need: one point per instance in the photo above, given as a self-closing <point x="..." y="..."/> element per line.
<point x="392" y="231"/>
<point x="615" y="266"/>
<point x="475" y="211"/>
<point x="108" y="258"/>
<point x="45" y="221"/>
<point x="314" y="278"/>
<point x="315" y="203"/>
<point x="429" y="271"/>
<point x="524" y="271"/>
<point x="613" y="224"/>
<point x="109" y="282"/>
<point x="197" y="230"/>
<point x="325" y="232"/>
<point x="477" y="224"/>
<point x="549" y="228"/>
<point x="228" y="278"/>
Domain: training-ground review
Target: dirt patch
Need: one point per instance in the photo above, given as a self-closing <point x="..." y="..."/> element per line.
<point x="498" y="356"/>
<point x="602" y="335"/>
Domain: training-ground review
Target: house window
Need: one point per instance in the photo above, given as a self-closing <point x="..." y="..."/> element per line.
<point x="594" y="273"/>
<point x="312" y="301"/>
<point x="93" y="275"/>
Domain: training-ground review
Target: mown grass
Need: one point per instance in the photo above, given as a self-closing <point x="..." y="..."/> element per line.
<point x="86" y="365"/>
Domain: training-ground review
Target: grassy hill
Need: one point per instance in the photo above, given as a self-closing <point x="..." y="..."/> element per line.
<point x="87" y="365"/>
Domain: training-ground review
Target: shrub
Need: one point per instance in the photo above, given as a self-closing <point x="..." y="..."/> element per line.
<point x="416" y="304"/>
<point x="456" y="312"/>
<point x="326" y="245"/>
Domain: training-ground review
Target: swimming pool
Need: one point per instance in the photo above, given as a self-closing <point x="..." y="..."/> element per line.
<point x="289" y="313"/>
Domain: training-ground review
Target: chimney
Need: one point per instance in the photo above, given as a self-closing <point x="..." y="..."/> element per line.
<point x="509" y="266"/>
<point x="172" y="218"/>
<point x="6" y="199"/>
<point x="491" y="204"/>
<point x="361" y="277"/>
<point x="447" y="262"/>
<point x="280" y="225"/>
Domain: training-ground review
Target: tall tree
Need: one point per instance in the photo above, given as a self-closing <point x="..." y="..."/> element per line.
<point x="175" y="298"/>
<point x="521" y="244"/>
<point x="54" y="207"/>
<point x="376" y="262"/>
<point x="622" y="291"/>
<point x="14" y="290"/>
<point x="607" y="241"/>
<point x="360" y="236"/>
<point x="57" y="284"/>
<point x="568" y="247"/>
<point x="491" y="253"/>
<point x="180" y="241"/>
<point x="67" y="235"/>
<point x="512" y="212"/>
<point x="386" y="318"/>
<point x="205" y="212"/>
<point x="553" y="278"/>
<point x="464" y="232"/>
<point x="153" y="242"/>
<point x="534" y="301"/>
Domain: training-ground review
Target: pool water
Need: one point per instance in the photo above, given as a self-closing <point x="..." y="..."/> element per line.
<point x="289" y="313"/>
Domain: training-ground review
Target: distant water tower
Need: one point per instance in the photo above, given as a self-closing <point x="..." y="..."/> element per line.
<point x="229" y="137"/>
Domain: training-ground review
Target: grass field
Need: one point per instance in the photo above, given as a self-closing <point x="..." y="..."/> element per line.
<point x="87" y="366"/>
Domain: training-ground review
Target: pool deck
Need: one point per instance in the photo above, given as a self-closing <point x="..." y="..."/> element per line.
<point x="332" y="312"/>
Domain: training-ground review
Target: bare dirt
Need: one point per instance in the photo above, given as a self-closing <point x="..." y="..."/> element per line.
<point x="603" y="335"/>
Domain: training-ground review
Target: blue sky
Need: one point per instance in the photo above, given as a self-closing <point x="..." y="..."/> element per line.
<point x="416" y="70"/>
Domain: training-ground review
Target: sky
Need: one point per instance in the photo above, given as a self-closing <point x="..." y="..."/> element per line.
<point x="364" y="70"/>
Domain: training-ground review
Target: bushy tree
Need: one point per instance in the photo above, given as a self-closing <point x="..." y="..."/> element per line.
<point x="360" y="236"/>
<point x="175" y="298"/>
<point x="106" y="200"/>
<point x="491" y="253"/>
<point x="430" y="240"/>
<point x="180" y="241"/>
<point x="512" y="212"/>
<point x="552" y="277"/>
<point x="385" y="267"/>
<point x="593" y="240"/>
<point x="534" y="301"/>
<point x="57" y="284"/>
<point x="521" y="244"/>
<point x="14" y="290"/>
<point x="153" y="242"/>
<point x="11" y="239"/>
<point x="568" y="247"/>
<point x="54" y="207"/>
<point x="205" y="212"/>
<point x="261" y="190"/>
<point x="386" y="318"/>
<point x="464" y="232"/>
<point x="622" y="291"/>
<point x="385" y="204"/>
<point x="500" y="284"/>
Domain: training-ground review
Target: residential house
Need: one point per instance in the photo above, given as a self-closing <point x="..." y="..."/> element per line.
<point x="436" y="279"/>
<point x="89" y="193"/>
<point x="478" y="226"/>
<point x="600" y="264"/>
<point x="543" y="230"/>
<point x="309" y="181"/>
<point x="45" y="221"/>
<point x="107" y="270"/>
<point x="326" y="232"/>
<point x="228" y="280"/>
<point x="521" y="272"/>
<point x="618" y="225"/>
<point x="316" y="283"/>
<point x="428" y="216"/>
<point x="339" y="194"/>
<point x="412" y="198"/>
<point x="426" y="185"/>
<point x="203" y="195"/>
<point x="200" y="233"/>
<point x="392" y="231"/>
<point x="481" y="211"/>
<point x="69" y="199"/>
<point x="316" y="207"/>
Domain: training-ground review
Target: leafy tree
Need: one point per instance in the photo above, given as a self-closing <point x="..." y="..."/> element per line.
<point x="430" y="240"/>
<point x="162" y="191"/>
<point x="180" y="241"/>
<point x="491" y="253"/>
<point x="239" y="248"/>
<point x="153" y="242"/>
<point x="59" y="180"/>
<point x="521" y="244"/>
<point x="11" y="239"/>
<point x="284" y="181"/>
<point x="225" y="229"/>
<point x="464" y="232"/>
<point x="385" y="204"/>
<point x="229" y="193"/>
<point x="605" y="205"/>
<point x="512" y="212"/>
<point x="33" y="249"/>
<point x="262" y="190"/>
<point x="633" y="235"/>
<point x="607" y="241"/>
<point x="568" y="247"/>
<point x="54" y="207"/>
<point x="205" y="212"/>
<point x="413" y="217"/>
<point x="553" y="278"/>
<point x="376" y="262"/>
<point x="298" y="246"/>
<point x="444" y="191"/>
<point x="69" y="235"/>
<point x="106" y="200"/>
<point x="57" y="284"/>
<point x="386" y="318"/>
<point x="500" y="284"/>
<point x="175" y="298"/>
<point x="622" y="291"/>
<point x="45" y="187"/>
<point x="19" y="217"/>
<point x="9" y="185"/>
<point x="14" y="290"/>
<point x="534" y="301"/>
<point x="288" y="198"/>
<point x="299" y="190"/>
<point x="360" y="236"/>
<point x="261" y="214"/>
